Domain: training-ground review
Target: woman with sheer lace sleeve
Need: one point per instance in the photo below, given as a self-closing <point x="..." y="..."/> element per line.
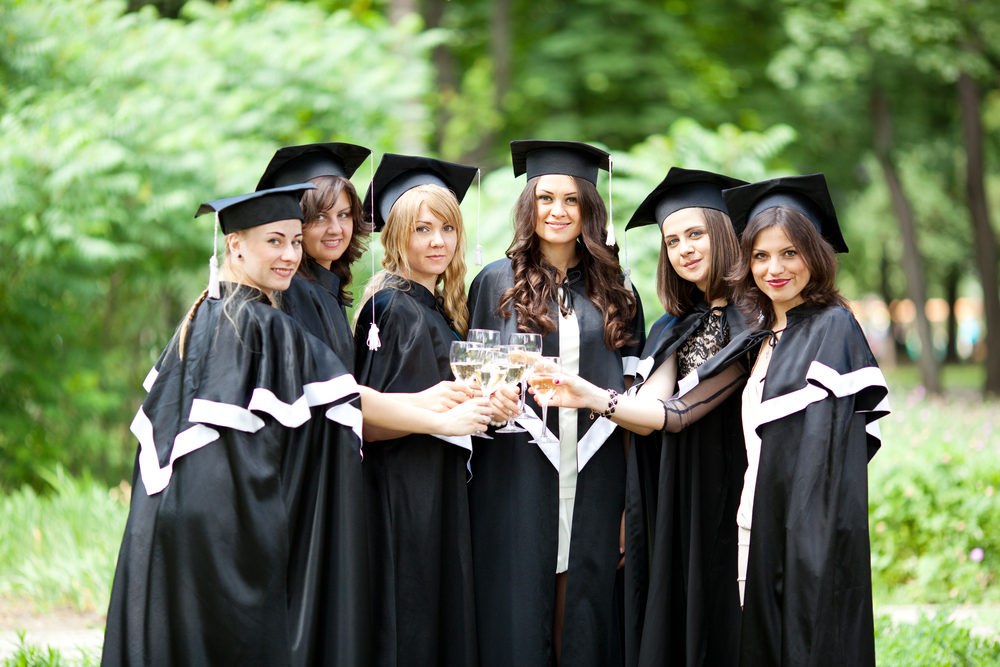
<point x="810" y="410"/>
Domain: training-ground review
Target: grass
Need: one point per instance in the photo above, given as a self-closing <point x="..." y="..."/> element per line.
<point x="932" y="642"/>
<point x="934" y="495"/>
<point x="60" y="549"/>
<point x="28" y="655"/>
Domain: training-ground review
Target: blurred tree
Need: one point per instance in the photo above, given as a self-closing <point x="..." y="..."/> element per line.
<point x="113" y="127"/>
<point x="910" y="56"/>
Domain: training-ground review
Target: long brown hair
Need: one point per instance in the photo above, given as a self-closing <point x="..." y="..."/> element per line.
<point x="536" y="281"/>
<point x="314" y="202"/>
<point x="677" y="294"/>
<point x="816" y="252"/>
<point x="396" y="237"/>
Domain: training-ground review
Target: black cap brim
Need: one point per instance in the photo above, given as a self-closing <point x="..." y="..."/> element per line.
<point x="572" y="158"/>
<point x="808" y="195"/>
<point x="398" y="173"/>
<point x="298" y="164"/>
<point x="682" y="188"/>
<point x="257" y="208"/>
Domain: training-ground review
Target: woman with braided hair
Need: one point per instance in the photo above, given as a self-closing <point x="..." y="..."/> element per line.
<point x="547" y="518"/>
<point x="246" y="539"/>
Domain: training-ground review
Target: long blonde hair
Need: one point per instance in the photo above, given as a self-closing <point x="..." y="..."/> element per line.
<point x="402" y="221"/>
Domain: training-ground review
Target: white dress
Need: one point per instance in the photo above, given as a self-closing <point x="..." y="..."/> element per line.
<point x="569" y="355"/>
<point x="751" y="408"/>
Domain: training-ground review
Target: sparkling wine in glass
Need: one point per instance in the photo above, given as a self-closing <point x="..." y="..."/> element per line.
<point x="532" y="343"/>
<point x="487" y="337"/>
<point x="517" y="363"/>
<point x="463" y="362"/>
<point x="542" y="380"/>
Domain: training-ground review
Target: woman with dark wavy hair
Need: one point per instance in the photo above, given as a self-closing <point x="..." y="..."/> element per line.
<point x="546" y="519"/>
<point x="812" y="395"/>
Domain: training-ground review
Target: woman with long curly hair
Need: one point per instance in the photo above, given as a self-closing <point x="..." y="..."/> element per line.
<point x="812" y="395"/>
<point x="546" y="519"/>
<point x="417" y="506"/>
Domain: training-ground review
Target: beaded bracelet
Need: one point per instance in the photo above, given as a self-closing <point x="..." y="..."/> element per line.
<point x="612" y="403"/>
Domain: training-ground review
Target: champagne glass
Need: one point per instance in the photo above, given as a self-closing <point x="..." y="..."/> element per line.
<point x="488" y="337"/>
<point x="532" y="343"/>
<point x="463" y="362"/>
<point x="490" y="373"/>
<point x="542" y="379"/>
<point x="517" y="363"/>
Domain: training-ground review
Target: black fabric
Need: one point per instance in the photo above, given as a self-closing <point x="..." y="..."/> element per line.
<point x="682" y="605"/>
<point x="398" y="173"/>
<point x="298" y="164"/>
<point x="808" y="195"/>
<point x="682" y="188"/>
<point x="254" y="553"/>
<point x="314" y="305"/>
<point x="572" y="158"/>
<point x="808" y="593"/>
<point x="257" y="208"/>
<point x="513" y="497"/>
<point x="418" y="510"/>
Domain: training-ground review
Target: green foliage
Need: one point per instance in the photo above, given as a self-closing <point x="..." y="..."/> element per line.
<point x="60" y="549"/>
<point x="932" y="642"/>
<point x="28" y="655"/>
<point x="113" y="127"/>
<point x="934" y="490"/>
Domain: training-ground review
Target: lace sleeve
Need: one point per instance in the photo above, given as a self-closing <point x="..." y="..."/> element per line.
<point x="679" y="413"/>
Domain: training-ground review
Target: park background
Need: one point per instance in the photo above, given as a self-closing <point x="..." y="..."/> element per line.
<point x="118" y="118"/>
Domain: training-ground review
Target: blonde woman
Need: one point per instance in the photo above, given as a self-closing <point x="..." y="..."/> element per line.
<point x="417" y="507"/>
<point x="247" y="481"/>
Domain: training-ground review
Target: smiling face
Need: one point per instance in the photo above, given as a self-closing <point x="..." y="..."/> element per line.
<point x="270" y="254"/>
<point x="328" y="235"/>
<point x="430" y="248"/>
<point x="778" y="269"/>
<point x="689" y="249"/>
<point x="558" y="208"/>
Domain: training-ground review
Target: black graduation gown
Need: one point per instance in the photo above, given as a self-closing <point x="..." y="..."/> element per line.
<point x="418" y="509"/>
<point x="808" y="597"/>
<point x="682" y="604"/>
<point x="314" y="305"/>
<point x="245" y="541"/>
<point x="514" y="495"/>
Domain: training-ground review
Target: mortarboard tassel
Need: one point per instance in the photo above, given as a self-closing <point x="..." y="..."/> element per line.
<point x="213" y="263"/>
<point x="479" y="199"/>
<point x="373" y="340"/>
<point x="611" y="209"/>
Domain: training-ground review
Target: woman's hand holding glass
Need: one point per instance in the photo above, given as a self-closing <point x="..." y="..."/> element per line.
<point x="572" y="391"/>
<point x="542" y="380"/>
<point x="470" y="418"/>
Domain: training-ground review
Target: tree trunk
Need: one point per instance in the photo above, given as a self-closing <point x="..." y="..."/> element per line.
<point x="985" y="239"/>
<point x="882" y="126"/>
<point x="446" y="74"/>
<point x="500" y="46"/>
<point x="400" y="8"/>
<point x="893" y="348"/>
<point x="951" y="295"/>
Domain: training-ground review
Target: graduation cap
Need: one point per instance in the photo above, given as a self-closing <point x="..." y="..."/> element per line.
<point x="398" y="173"/>
<point x="298" y="164"/>
<point x="233" y="214"/>
<point x="808" y="195"/>
<point x="682" y="188"/>
<point x="572" y="158"/>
